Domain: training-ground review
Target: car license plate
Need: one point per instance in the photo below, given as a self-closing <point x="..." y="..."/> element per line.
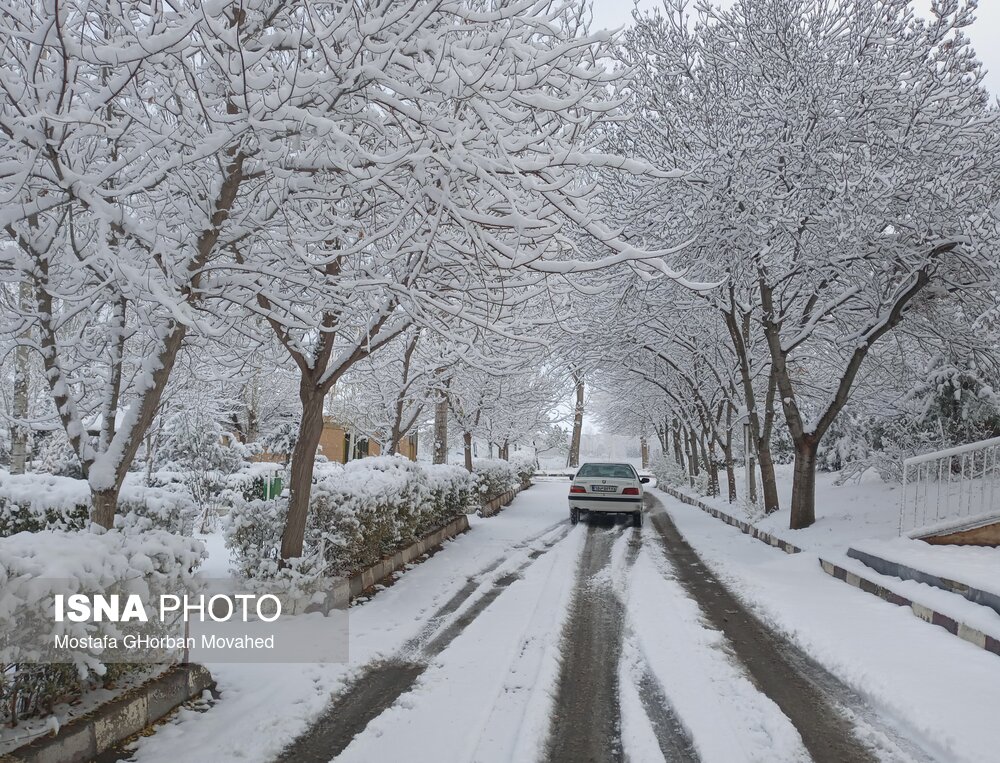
<point x="604" y="488"/>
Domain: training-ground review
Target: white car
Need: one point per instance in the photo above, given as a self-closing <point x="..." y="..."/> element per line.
<point x="606" y="489"/>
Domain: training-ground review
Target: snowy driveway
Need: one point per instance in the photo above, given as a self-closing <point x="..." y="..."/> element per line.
<point x="528" y="639"/>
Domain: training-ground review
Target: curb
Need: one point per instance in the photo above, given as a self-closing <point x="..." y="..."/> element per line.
<point x="965" y="632"/>
<point x="368" y="578"/>
<point x="86" y="737"/>
<point x="904" y="572"/>
<point x="745" y="527"/>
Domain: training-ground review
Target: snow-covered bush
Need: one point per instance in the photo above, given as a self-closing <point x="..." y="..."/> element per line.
<point x="360" y="512"/>
<point x="35" y="566"/>
<point x="524" y="464"/>
<point x="254" y="481"/>
<point x="32" y="502"/>
<point x="56" y="456"/>
<point x="366" y="509"/>
<point x="168" y="505"/>
<point x="668" y="472"/>
<point x="451" y="494"/>
<point x="194" y="450"/>
<point x="493" y="477"/>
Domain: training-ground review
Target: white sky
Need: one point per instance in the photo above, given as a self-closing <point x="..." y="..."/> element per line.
<point x="984" y="33"/>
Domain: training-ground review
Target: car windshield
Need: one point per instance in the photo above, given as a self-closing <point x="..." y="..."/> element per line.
<point x="614" y="471"/>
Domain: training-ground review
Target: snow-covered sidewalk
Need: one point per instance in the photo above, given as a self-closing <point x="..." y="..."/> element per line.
<point x="943" y="691"/>
<point x="264" y="707"/>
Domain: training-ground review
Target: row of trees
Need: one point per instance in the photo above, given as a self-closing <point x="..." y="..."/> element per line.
<point x="780" y="215"/>
<point x="842" y="197"/>
<point x="311" y="182"/>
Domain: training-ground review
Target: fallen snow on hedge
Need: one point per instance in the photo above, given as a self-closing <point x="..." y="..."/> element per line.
<point x="494" y="477"/>
<point x="359" y="513"/>
<point x="34" y="566"/>
<point x="32" y="502"/>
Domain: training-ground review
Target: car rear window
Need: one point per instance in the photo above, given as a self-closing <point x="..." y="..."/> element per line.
<point x="613" y="471"/>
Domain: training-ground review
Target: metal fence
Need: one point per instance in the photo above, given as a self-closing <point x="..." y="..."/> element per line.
<point x="950" y="485"/>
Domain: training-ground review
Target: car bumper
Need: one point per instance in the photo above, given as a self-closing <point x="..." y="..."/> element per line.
<point x="608" y="504"/>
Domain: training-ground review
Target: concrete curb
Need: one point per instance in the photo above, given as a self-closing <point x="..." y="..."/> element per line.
<point x="745" y="527"/>
<point x="86" y="737"/>
<point x="903" y="572"/>
<point x="963" y="631"/>
<point x="368" y="578"/>
<point x="954" y="627"/>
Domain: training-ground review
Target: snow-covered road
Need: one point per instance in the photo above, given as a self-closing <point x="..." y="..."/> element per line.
<point x="528" y="639"/>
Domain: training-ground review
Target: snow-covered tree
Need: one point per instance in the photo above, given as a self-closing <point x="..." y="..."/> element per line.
<point x="843" y="159"/>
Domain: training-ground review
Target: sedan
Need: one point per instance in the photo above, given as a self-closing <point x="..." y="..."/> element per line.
<point x="602" y="488"/>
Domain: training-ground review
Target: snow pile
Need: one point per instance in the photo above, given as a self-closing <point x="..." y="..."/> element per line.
<point x="37" y="565"/>
<point x="359" y="513"/>
<point x="494" y="477"/>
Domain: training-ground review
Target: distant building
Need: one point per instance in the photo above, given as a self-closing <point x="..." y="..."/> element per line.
<point x="340" y="443"/>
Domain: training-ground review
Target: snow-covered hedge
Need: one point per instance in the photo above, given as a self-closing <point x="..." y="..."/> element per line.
<point x="451" y="493"/>
<point x="668" y="472"/>
<point x="34" y="566"/>
<point x="359" y="513"/>
<point x="33" y="502"/>
<point x="493" y="477"/>
<point x="30" y="502"/>
<point x="253" y="479"/>
<point x="524" y="464"/>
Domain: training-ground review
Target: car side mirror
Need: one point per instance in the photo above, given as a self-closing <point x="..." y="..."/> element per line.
<point x="644" y="480"/>
<point x="571" y="477"/>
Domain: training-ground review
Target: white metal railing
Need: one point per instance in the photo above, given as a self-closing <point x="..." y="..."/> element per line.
<point x="949" y="485"/>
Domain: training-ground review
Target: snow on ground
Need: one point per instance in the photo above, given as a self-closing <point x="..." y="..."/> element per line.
<point x="265" y="706"/>
<point x="868" y="508"/>
<point x="217" y="563"/>
<point x="726" y="716"/>
<point x="942" y="690"/>
<point x="977" y="566"/>
<point x="865" y="515"/>
<point x="489" y="695"/>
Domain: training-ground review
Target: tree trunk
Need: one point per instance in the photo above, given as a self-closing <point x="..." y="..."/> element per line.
<point x="301" y="472"/>
<point x="467" y="439"/>
<point x="711" y="466"/>
<point x="730" y="470"/>
<point x="19" y="431"/>
<point x="803" y="510"/>
<point x="768" y="483"/>
<point x="678" y="447"/>
<point x="441" y="431"/>
<point x="574" y="443"/>
<point x="693" y="454"/>
<point x="644" y="452"/>
<point x="505" y="450"/>
<point x="104" y="505"/>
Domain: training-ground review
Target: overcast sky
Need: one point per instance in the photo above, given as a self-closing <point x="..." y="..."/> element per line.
<point x="984" y="34"/>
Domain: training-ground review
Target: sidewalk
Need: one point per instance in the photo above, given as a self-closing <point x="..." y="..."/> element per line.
<point x="942" y="689"/>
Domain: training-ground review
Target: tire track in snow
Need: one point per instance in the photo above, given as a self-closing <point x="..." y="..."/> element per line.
<point x="474" y="582"/>
<point x="777" y="667"/>
<point x="381" y="683"/>
<point x="586" y="722"/>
